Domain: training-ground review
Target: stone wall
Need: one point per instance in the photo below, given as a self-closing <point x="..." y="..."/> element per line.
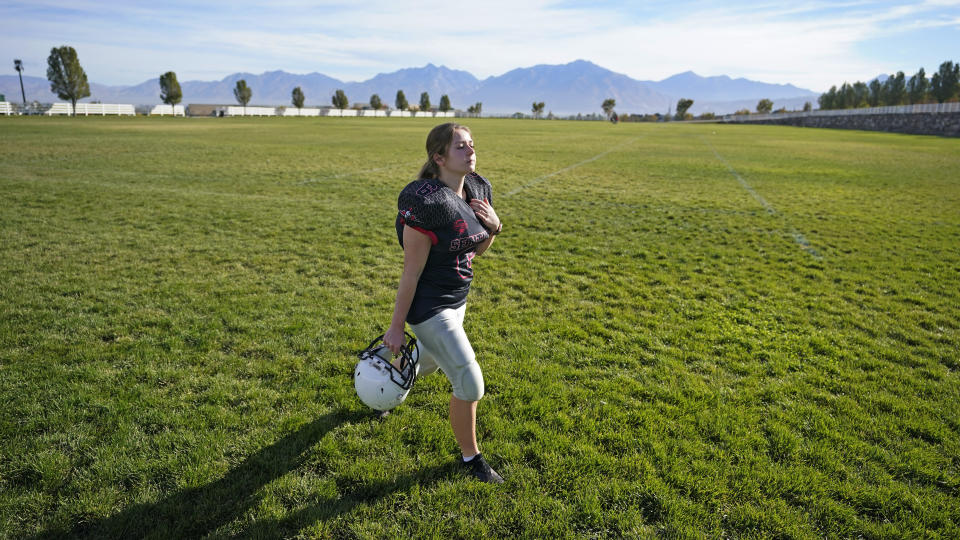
<point x="943" y="124"/>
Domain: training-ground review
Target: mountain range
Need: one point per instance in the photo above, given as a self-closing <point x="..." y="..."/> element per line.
<point x="576" y="87"/>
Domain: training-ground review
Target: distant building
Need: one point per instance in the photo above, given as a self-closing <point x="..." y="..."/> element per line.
<point x="195" y="109"/>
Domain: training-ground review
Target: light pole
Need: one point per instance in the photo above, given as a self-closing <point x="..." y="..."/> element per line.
<point x="18" y="65"/>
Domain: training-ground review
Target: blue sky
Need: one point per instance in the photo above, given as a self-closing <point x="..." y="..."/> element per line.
<point x="812" y="44"/>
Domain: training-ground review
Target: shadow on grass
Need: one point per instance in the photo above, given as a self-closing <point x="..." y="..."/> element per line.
<point x="361" y="494"/>
<point x="198" y="512"/>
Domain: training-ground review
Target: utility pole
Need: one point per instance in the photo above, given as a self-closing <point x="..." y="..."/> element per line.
<point x="18" y="65"/>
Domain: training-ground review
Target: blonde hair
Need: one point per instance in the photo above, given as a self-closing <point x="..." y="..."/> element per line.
<point x="438" y="142"/>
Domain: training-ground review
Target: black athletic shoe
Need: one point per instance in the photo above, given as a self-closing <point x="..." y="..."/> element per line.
<point x="481" y="470"/>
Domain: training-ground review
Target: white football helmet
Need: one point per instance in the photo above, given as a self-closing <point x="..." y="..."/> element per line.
<point x="381" y="385"/>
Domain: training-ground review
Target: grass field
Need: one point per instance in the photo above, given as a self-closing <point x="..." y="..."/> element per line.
<point x="685" y="330"/>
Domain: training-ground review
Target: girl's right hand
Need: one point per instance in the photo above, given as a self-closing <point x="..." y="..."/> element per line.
<point x="394" y="339"/>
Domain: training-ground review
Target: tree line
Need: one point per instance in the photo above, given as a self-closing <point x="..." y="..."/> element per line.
<point x="339" y="100"/>
<point x="942" y="87"/>
<point x="68" y="81"/>
<point x="537" y="109"/>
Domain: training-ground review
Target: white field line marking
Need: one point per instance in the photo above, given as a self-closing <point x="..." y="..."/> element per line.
<point x="797" y="235"/>
<point x="344" y="175"/>
<point x="539" y="179"/>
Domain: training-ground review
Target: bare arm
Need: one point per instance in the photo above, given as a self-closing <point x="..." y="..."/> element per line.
<point x="482" y="246"/>
<point x="416" y="249"/>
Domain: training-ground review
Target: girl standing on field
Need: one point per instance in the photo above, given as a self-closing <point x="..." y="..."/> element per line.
<point x="445" y="219"/>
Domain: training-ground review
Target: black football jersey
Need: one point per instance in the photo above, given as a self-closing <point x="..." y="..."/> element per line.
<point x="432" y="208"/>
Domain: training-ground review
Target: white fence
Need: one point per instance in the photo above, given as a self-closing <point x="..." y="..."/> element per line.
<point x="103" y="109"/>
<point x="249" y="111"/>
<point x="897" y="109"/>
<point x="167" y="110"/>
<point x="86" y="109"/>
<point x="293" y="111"/>
<point x="6" y="108"/>
<point x="341" y="112"/>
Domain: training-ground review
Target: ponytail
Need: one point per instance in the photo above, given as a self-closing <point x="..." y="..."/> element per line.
<point x="430" y="169"/>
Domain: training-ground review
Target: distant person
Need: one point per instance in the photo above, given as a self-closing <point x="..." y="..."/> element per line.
<point x="445" y="219"/>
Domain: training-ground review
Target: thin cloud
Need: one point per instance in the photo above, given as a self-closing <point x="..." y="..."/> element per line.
<point x="812" y="44"/>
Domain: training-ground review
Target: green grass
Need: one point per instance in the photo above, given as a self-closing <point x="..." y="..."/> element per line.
<point x="685" y="330"/>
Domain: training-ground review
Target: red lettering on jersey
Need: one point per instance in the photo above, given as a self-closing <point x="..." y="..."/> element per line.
<point x="463" y="243"/>
<point x="469" y="256"/>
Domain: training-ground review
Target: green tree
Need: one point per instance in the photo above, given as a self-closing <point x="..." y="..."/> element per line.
<point x="861" y="94"/>
<point x="945" y="83"/>
<point x="876" y="93"/>
<point x="401" y="101"/>
<point x="918" y="87"/>
<point x="895" y="90"/>
<point x="243" y="93"/>
<point x="845" y="99"/>
<point x="424" y="101"/>
<point x="340" y="100"/>
<point x="444" y="103"/>
<point x="764" y="106"/>
<point x="828" y="99"/>
<point x="607" y="106"/>
<point x="375" y="102"/>
<point x="18" y="65"/>
<point x="67" y="79"/>
<point x="682" y="106"/>
<point x="537" y="109"/>
<point x="807" y="107"/>
<point x="170" y="91"/>
<point x="297" y="98"/>
<point x="475" y="108"/>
